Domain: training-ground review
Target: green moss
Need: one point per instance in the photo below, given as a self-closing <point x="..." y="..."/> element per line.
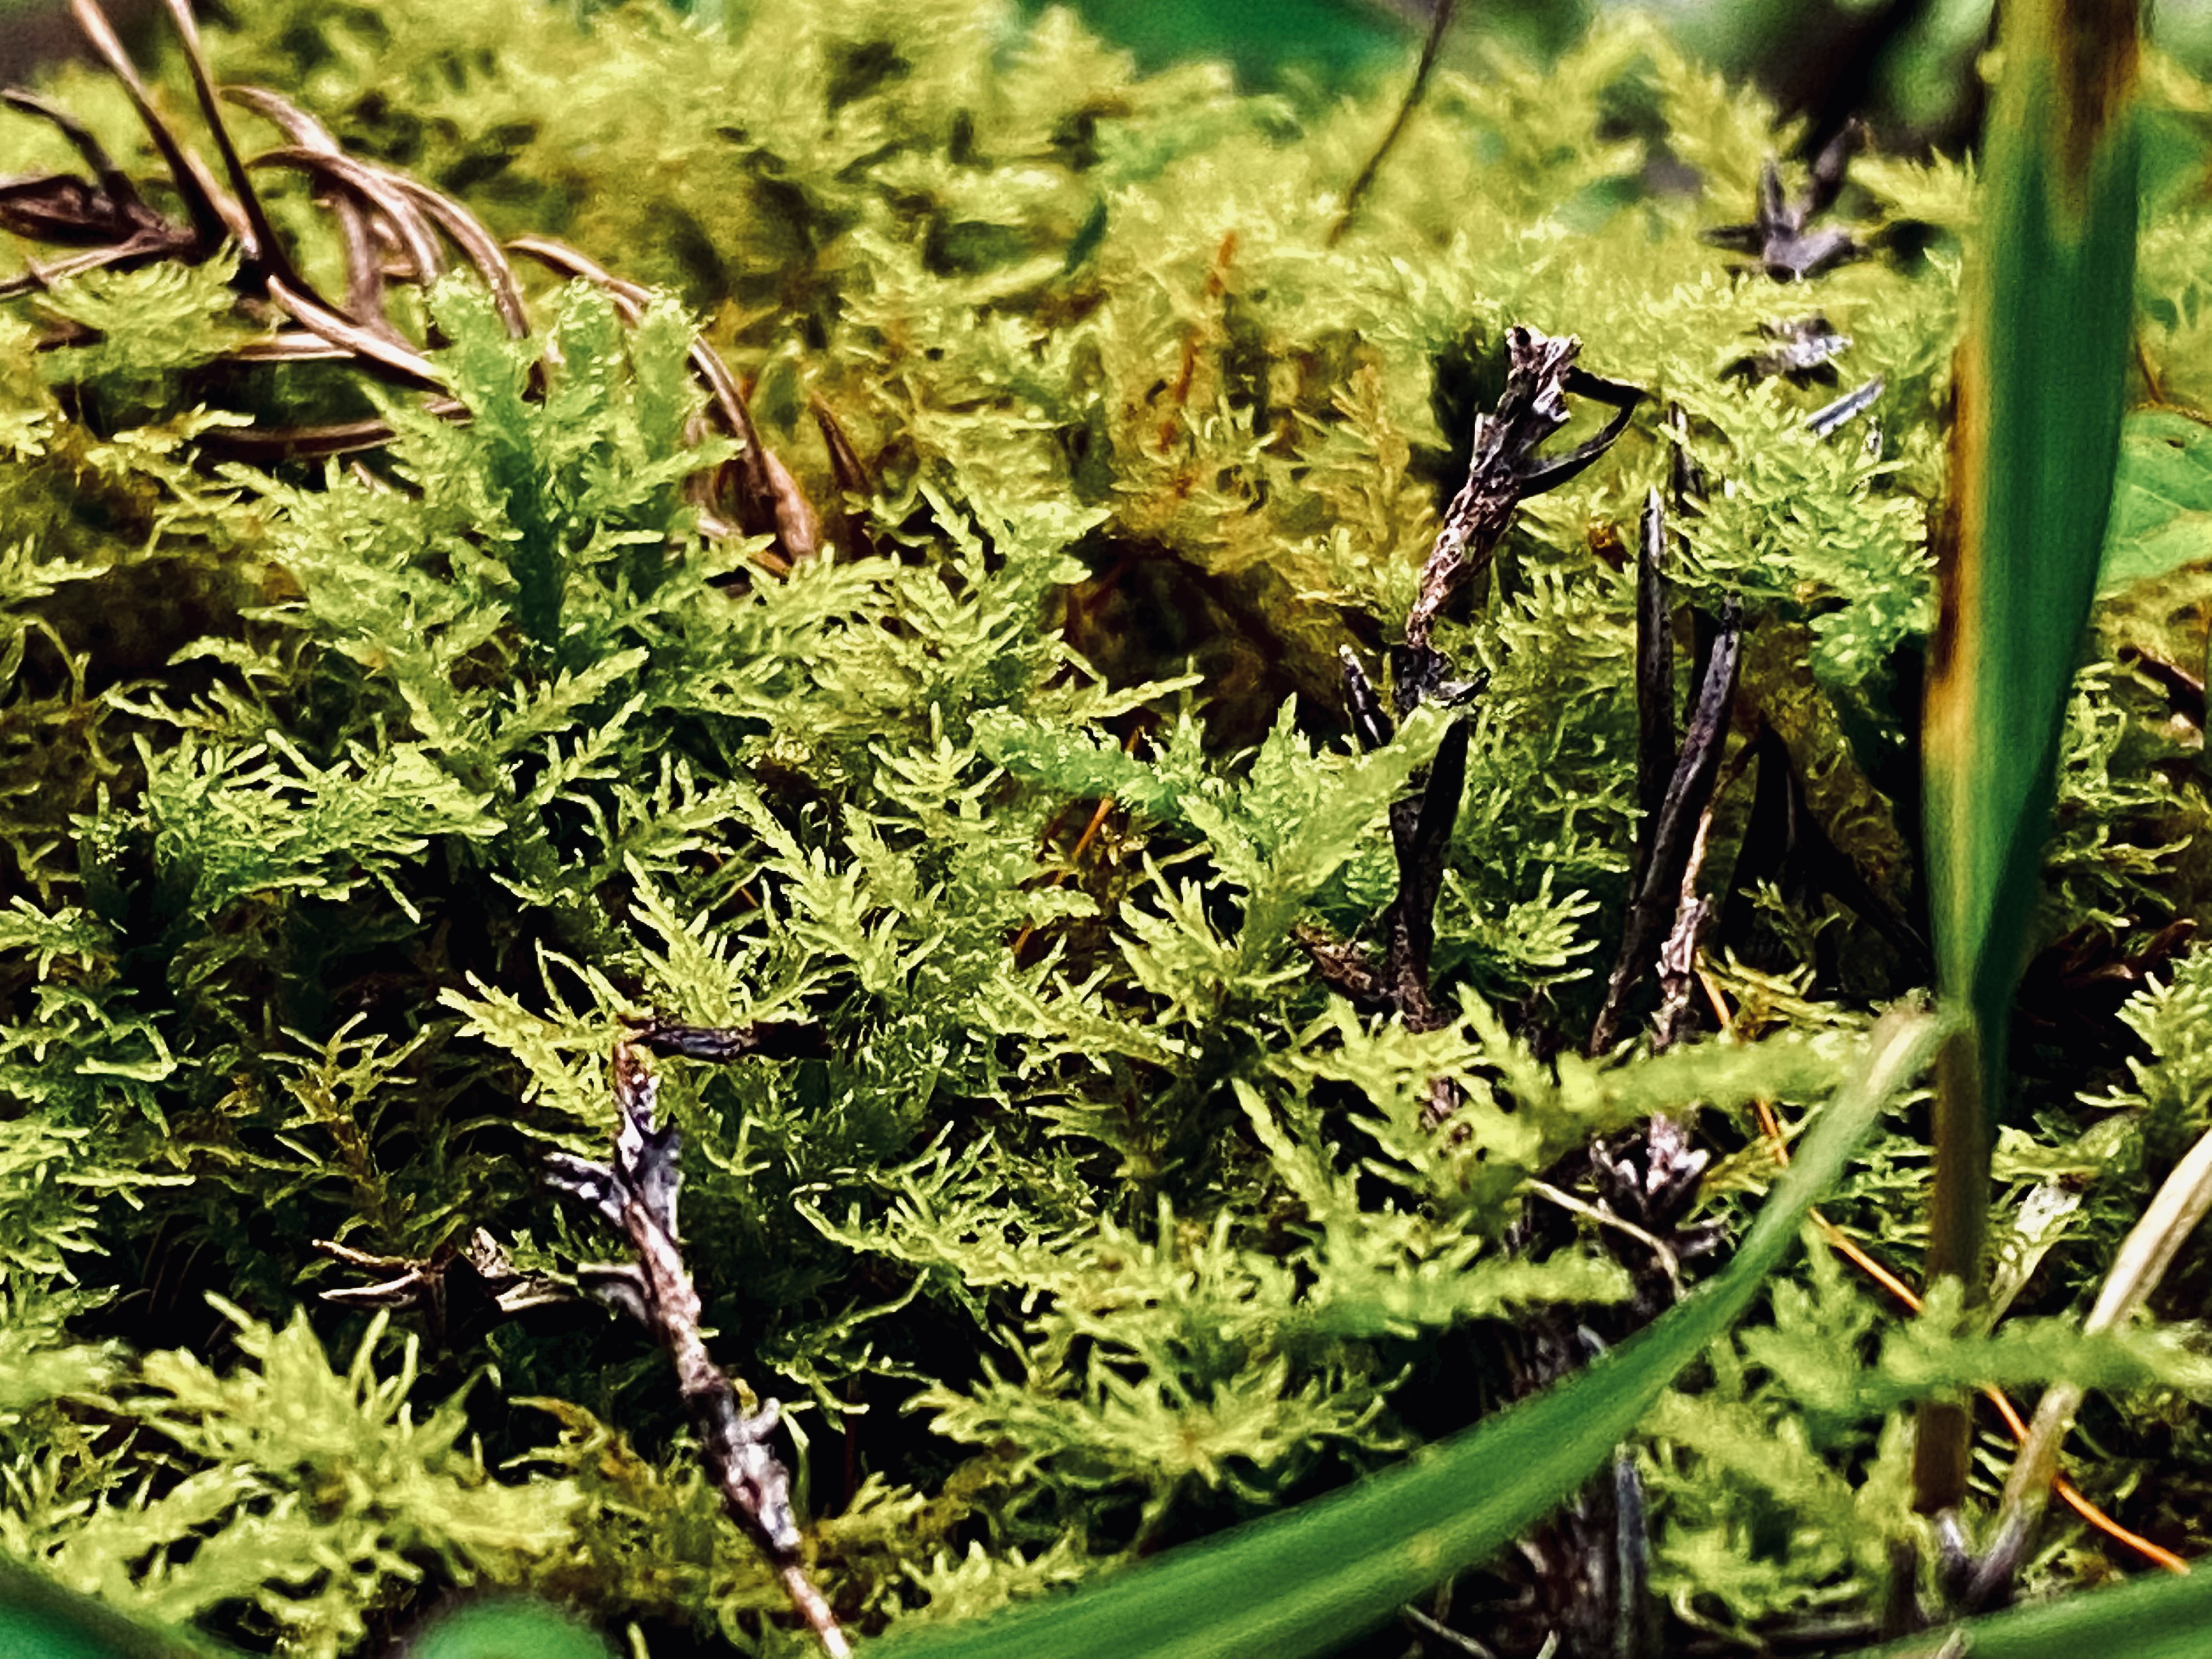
<point x="348" y="810"/>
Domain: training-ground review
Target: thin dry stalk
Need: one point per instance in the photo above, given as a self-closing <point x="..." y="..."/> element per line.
<point x="1668" y="885"/>
<point x="2181" y="1203"/>
<point x="1662" y="1251"/>
<point x="1440" y="22"/>
<point x="635" y="1193"/>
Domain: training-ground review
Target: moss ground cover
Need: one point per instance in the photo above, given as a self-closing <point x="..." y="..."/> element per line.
<point x="1266" y="921"/>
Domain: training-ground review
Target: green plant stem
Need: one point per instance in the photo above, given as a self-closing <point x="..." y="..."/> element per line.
<point x="1958" y="1232"/>
<point x="2038" y="390"/>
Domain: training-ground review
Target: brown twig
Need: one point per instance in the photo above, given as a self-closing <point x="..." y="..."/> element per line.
<point x="848" y="477"/>
<point x="1505" y="469"/>
<point x="195" y="186"/>
<point x="636" y="1193"/>
<point x="2185" y="691"/>
<point x="262" y="245"/>
<point x="1677" y="954"/>
<point x="458" y="1291"/>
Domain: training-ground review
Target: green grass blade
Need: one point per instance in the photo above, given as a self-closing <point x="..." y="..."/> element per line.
<point x="1303" y="1582"/>
<point x="2164" y="1617"/>
<point x="505" y="1627"/>
<point x="39" y="1619"/>
<point x="2162" y="500"/>
<point x="2041" y="386"/>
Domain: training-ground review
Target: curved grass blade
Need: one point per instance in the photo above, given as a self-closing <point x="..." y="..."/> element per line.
<point x="1302" y="1582"/>
<point x="39" y="1619"/>
<point x="2160" y="1619"/>
<point x="2040" y="386"/>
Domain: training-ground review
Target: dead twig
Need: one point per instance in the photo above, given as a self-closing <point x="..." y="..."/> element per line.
<point x="1801" y="351"/>
<point x="1505" y="469"/>
<point x="1673" y="836"/>
<point x="636" y="1193"/>
<point x="1832" y="418"/>
<point x="849" y="475"/>
<point x="1657" y="746"/>
<point x="769" y="499"/>
<point x="1678" y="953"/>
<point x="2185" y="691"/>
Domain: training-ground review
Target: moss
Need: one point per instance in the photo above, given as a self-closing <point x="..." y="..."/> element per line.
<point x="350" y="809"/>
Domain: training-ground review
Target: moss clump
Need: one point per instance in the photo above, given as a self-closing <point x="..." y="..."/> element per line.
<point x="350" y="809"/>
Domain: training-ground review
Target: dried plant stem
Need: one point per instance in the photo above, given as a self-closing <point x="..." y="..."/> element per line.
<point x="819" y="1617"/>
<point x="1445" y="1633"/>
<point x="2174" y="1214"/>
<point x="1440" y="22"/>
<point x="1844" y="1245"/>
<point x="1667" y="884"/>
<point x="636" y="1193"/>
<point x="1605" y="1217"/>
<point x="1678" y="953"/>
<point x="1657" y="742"/>
<point x="1505" y="469"/>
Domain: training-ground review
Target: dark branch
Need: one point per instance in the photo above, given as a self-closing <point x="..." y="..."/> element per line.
<point x="1655" y="676"/>
<point x="1505" y="469"/>
<point x="636" y="1193"/>
<point x="1658" y="895"/>
<point x="1780" y="235"/>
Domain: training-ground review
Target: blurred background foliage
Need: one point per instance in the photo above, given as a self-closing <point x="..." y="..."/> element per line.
<point x="1907" y="66"/>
